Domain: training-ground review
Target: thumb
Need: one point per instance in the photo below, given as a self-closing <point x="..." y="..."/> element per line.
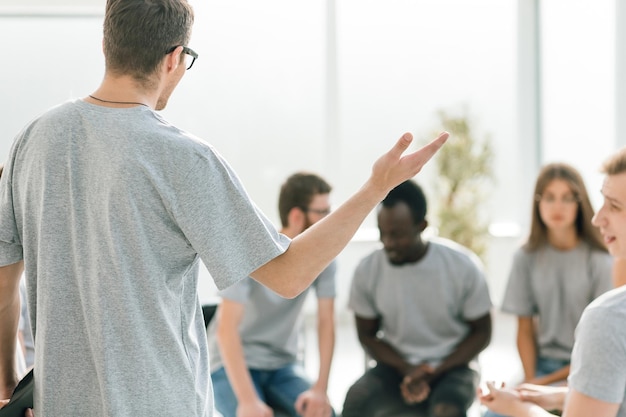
<point x="300" y="405"/>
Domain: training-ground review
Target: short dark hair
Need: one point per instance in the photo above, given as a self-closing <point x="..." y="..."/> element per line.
<point x="411" y="194"/>
<point x="298" y="191"/>
<point x="139" y="33"/>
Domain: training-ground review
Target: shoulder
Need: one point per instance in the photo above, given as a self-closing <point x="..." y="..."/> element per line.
<point x="375" y="258"/>
<point x="599" y="255"/>
<point x="368" y="268"/>
<point x="613" y="301"/>
<point x="454" y="252"/>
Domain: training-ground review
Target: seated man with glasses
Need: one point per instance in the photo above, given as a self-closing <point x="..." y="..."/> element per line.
<point x="254" y="342"/>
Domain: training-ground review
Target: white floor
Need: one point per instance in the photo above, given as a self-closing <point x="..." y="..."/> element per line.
<point x="498" y="362"/>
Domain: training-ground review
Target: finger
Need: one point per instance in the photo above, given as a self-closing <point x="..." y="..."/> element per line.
<point x="401" y="145"/>
<point x="424" y="154"/>
<point x="299" y="405"/>
<point x="29" y="413"/>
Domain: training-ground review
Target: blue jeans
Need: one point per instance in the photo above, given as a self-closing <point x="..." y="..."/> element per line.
<point x="544" y="366"/>
<point x="278" y="388"/>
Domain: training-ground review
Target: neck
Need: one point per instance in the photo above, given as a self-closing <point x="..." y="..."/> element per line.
<point x="563" y="239"/>
<point x="122" y="91"/>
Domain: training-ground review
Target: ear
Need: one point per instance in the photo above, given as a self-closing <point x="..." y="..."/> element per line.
<point x="172" y="60"/>
<point x="422" y="226"/>
<point x="296" y="218"/>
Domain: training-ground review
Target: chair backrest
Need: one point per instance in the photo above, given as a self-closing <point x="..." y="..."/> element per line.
<point x="208" y="311"/>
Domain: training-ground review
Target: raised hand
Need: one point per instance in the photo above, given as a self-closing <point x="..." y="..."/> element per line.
<point x="393" y="167"/>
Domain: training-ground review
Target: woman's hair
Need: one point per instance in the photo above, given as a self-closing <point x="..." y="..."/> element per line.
<point x="585" y="230"/>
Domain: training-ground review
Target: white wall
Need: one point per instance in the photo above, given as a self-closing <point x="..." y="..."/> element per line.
<point x="260" y="90"/>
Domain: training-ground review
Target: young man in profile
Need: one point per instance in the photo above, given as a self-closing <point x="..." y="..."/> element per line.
<point x="109" y="209"/>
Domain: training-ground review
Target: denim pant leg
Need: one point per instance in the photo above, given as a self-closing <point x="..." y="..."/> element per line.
<point x="546" y="366"/>
<point x="225" y="398"/>
<point x="284" y="386"/>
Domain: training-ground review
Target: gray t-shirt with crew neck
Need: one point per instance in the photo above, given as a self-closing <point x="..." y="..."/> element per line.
<point x="424" y="306"/>
<point x="556" y="286"/>
<point x="271" y="326"/>
<point x="112" y="211"/>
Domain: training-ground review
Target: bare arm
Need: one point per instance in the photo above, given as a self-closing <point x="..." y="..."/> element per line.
<point x="326" y="340"/>
<point x="476" y="340"/>
<point x="378" y="349"/>
<point x="10" y="314"/>
<point x="560" y="375"/>
<point x="507" y="401"/>
<point x="311" y="251"/>
<point x="526" y="346"/>
<point x="547" y="397"/>
<point x="315" y="402"/>
<point x="581" y="405"/>
<point x="229" y="315"/>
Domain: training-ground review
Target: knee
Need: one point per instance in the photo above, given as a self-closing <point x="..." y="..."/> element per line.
<point x="447" y="410"/>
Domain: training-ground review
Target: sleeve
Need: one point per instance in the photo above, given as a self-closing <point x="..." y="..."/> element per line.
<point x="518" y="297"/>
<point x="476" y="300"/>
<point x="231" y="235"/>
<point x="361" y="298"/>
<point x="601" y="270"/>
<point x="10" y="242"/>
<point x="599" y="350"/>
<point x="325" y="284"/>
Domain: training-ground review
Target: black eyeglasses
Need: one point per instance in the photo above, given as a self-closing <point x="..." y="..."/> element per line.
<point x="321" y="212"/>
<point x="187" y="51"/>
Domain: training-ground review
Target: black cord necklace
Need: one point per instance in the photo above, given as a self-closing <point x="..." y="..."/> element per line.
<point x="118" y="102"/>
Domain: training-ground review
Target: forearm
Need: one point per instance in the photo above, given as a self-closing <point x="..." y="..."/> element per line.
<point x="527" y="350"/>
<point x="326" y="345"/>
<point x="311" y="251"/>
<point x="10" y="314"/>
<point x="532" y="410"/>
<point x="465" y="351"/>
<point x="556" y="376"/>
<point x="384" y="353"/>
<point x="235" y="365"/>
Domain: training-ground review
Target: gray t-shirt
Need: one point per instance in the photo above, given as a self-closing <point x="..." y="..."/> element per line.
<point x="112" y="210"/>
<point x="556" y="286"/>
<point x="271" y="324"/>
<point x="424" y="306"/>
<point x="599" y="354"/>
